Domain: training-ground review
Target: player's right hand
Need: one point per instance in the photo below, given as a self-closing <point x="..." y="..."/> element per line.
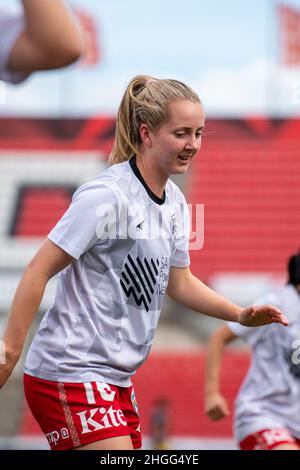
<point x="216" y="406"/>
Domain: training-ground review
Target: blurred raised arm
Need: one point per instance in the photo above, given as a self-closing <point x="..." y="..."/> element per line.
<point x="52" y="37"/>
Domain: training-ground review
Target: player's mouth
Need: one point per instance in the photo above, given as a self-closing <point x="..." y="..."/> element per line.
<point x="184" y="158"/>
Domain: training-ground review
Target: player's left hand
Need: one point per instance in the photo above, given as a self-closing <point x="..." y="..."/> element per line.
<point x="261" y="315"/>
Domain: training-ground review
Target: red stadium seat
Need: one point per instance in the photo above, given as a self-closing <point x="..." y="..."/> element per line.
<point x="39" y="209"/>
<point x="250" y="187"/>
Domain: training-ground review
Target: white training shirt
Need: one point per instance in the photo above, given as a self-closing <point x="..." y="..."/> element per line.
<point x="108" y="301"/>
<point x="270" y="394"/>
<point x="11" y="26"/>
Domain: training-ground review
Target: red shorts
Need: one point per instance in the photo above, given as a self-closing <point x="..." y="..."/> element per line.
<point x="268" y="439"/>
<point x="75" y="414"/>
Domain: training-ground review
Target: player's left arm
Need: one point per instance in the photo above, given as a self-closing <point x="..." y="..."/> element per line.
<point x="188" y="290"/>
<point x="51" y="38"/>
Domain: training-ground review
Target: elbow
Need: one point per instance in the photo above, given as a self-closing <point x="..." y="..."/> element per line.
<point x="171" y="293"/>
<point x="63" y="52"/>
<point x="68" y="55"/>
<point x="215" y="344"/>
<point x="216" y="338"/>
<point x="33" y="271"/>
<point x="176" y="295"/>
<point x="73" y="52"/>
<point x="73" y="49"/>
<point x="221" y="337"/>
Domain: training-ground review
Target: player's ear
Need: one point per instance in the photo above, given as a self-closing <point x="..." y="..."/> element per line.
<point x="145" y="134"/>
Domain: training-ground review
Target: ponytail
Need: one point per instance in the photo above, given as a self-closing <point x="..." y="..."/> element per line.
<point x="127" y="136"/>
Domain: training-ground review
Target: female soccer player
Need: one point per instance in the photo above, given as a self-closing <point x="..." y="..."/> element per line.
<point x="42" y="36"/>
<point x="121" y="244"/>
<point x="267" y="411"/>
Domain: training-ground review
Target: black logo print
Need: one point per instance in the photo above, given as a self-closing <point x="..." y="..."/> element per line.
<point x="138" y="279"/>
<point x="140" y="225"/>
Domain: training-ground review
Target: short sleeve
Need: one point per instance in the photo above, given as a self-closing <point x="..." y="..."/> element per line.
<point x="94" y="208"/>
<point x="180" y="256"/>
<point x="11" y="26"/>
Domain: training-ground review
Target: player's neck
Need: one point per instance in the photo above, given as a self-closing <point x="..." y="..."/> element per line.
<point x="152" y="176"/>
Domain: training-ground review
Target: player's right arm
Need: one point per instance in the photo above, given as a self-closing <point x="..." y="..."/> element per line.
<point x="216" y="406"/>
<point x="51" y="39"/>
<point x="49" y="260"/>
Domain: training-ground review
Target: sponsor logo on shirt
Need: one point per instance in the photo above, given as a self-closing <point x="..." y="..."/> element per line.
<point x="139" y="278"/>
<point x="163" y="276"/>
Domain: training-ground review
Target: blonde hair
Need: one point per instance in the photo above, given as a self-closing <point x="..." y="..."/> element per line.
<point x="145" y="101"/>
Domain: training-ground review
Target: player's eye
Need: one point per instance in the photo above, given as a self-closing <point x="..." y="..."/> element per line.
<point x="180" y="134"/>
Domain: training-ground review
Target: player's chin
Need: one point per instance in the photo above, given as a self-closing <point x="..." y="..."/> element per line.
<point x="180" y="168"/>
